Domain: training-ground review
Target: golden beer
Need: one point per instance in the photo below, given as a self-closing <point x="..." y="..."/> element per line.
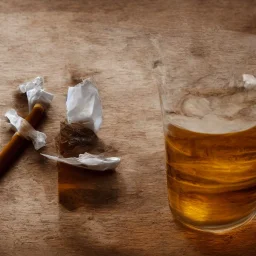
<point x="211" y="177"/>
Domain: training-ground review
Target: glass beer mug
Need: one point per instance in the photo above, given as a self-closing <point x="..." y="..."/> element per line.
<point x="208" y="101"/>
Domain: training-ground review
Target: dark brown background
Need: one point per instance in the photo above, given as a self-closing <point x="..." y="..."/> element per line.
<point x="65" y="41"/>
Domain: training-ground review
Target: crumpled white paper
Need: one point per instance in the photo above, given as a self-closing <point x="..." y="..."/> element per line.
<point x="38" y="82"/>
<point x="24" y="128"/>
<point x="40" y="96"/>
<point x="249" y="81"/>
<point x="89" y="161"/>
<point x="84" y="105"/>
<point x="36" y="93"/>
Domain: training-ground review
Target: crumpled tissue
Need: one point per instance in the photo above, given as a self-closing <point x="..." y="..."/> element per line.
<point x="36" y="93"/>
<point x="89" y="161"/>
<point x="84" y="106"/>
<point x="37" y="82"/>
<point x="38" y="96"/>
<point x="24" y="128"/>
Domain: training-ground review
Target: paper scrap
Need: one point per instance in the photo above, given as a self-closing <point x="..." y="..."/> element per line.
<point x="84" y="105"/>
<point x="249" y="81"/>
<point x="38" y="82"/>
<point x="24" y="128"/>
<point x="89" y="161"/>
<point x="38" y="95"/>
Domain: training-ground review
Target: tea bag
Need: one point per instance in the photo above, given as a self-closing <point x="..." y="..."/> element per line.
<point x="84" y="118"/>
<point x="23" y="127"/>
<point x="78" y="133"/>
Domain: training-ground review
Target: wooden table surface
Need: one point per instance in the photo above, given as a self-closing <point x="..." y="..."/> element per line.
<point x="65" y="41"/>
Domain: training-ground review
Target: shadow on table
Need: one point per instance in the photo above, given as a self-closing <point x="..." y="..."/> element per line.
<point x="79" y="187"/>
<point x="234" y="243"/>
<point x="76" y="244"/>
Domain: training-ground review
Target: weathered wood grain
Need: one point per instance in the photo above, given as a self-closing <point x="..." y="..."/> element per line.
<point x="65" y="41"/>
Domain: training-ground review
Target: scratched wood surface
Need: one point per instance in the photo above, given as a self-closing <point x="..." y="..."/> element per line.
<point x="65" y="41"/>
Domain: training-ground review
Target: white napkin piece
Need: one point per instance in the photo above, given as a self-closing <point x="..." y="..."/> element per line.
<point x="38" y="82"/>
<point x="89" y="161"/>
<point x="84" y="105"/>
<point x="36" y="93"/>
<point x="24" y="128"/>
